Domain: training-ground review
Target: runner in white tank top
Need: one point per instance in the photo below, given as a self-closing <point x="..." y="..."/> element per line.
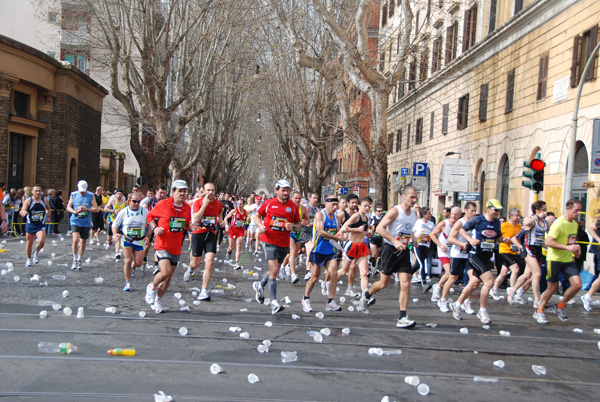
<point x="440" y="237"/>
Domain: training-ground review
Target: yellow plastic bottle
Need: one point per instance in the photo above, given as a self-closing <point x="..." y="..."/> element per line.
<point x="122" y="352"/>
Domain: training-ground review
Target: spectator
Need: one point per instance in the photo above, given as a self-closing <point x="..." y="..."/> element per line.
<point x="59" y="210"/>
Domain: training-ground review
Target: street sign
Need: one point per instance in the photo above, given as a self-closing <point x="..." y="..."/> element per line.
<point x="437" y="192"/>
<point x="469" y="196"/>
<point x="420" y="169"/>
<point x="419" y="183"/>
<point x="356" y="187"/>
<point x="372" y="190"/>
<point x="344" y="190"/>
<point x="404" y="172"/>
<point x="595" y="167"/>
<point x="456" y="175"/>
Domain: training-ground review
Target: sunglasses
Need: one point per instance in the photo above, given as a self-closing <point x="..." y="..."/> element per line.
<point x="379" y="210"/>
<point x="136" y="201"/>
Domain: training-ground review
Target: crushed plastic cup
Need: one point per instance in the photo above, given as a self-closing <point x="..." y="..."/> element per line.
<point x="598" y="345"/>
<point x="499" y="364"/>
<point x="431" y="325"/>
<point x="318" y="337"/>
<point x="88" y="260"/>
<point x="342" y="299"/>
<point x="161" y="397"/>
<point x="244" y="335"/>
<point x="59" y="277"/>
<point x="235" y="329"/>
<point x="412" y="380"/>
<point x="49" y="262"/>
<point x="56" y="306"/>
<point x="320" y="315"/>
<point x="3" y="272"/>
<point x="111" y="310"/>
<point x="504" y="333"/>
<point x="253" y="378"/>
<point x="346" y="331"/>
<point x="65" y="293"/>
<point x="423" y="389"/>
<point x="67" y="311"/>
<point x="376" y="351"/>
<point x="183" y="331"/>
<point x="464" y="330"/>
<point x="262" y="348"/>
<point x="185" y="308"/>
<point x="325" y="331"/>
<point x="35" y="278"/>
<point x="80" y="312"/>
<point x="392" y="352"/>
<point x="539" y="370"/>
<point x="597" y="331"/>
<point x="485" y="326"/>
<point x="578" y="330"/>
<point x="177" y="295"/>
<point x="385" y="399"/>
<point x="350" y="308"/>
<point x="289" y="356"/>
<point x="267" y="342"/>
<point x="415" y="300"/>
<point x="196" y="302"/>
<point x="43" y="314"/>
<point x="99" y="280"/>
<point x="287" y="300"/>
<point x="22" y="242"/>
<point x="295" y="317"/>
<point x="216" y="368"/>
<point x="489" y="380"/>
<point x="268" y="324"/>
<point x="142" y="314"/>
<point x="16" y="278"/>
<point x="182" y="302"/>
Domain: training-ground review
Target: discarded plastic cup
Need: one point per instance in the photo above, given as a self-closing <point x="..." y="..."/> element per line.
<point x="142" y="314"/>
<point x="59" y="277"/>
<point x="43" y="314"/>
<point x="504" y="333"/>
<point x="262" y="348"/>
<point x="253" y="378"/>
<point x="342" y="299"/>
<point x="539" y="370"/>
<point x="99" y="280"/>
<point x="267" y="342"/>
<point x="80" y="313"/>
<point x="183" y="331"/>
<point x="245" y="335"/>
<point x="485" y="379"/>
<point x="215" y="368"/>
<point x="578" y="330"/>
<point x="295" y="317"/>
<point x="346" y="331"/>
<point x="485" y="326"/>
<point x="112" y="310"/>
<point x="268" y="324"/>
<point x="320" y="315"/>
<point x="67" y="311"/>
<point x="56" y="307"/>
<point x="35" y="278"/>
<point x="177" y="295"/>
<point x="431" y="325"/>
<point x="325" y="331"/>
<point x="499" y="363"/>
<point x="49" y="262"/>
<point x="234" y="329"/>
<point x="415" y="300"/>
<point x="392" y="352"/>
<point x="597" y="331"/>
<point x="412" y="380"/>
<point x="318" y="337"/>
<point x="350" y="308"/>
<point x="423" y="389"/>
<point x="289" y="357"/>
<point x="65" y="293"/>
<point x="182" y="302"/>
<point x="185" y="308"/>
<point x="464" y="330"/>
<point x="16" y="278"/>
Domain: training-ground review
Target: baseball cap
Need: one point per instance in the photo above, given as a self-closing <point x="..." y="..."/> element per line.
<point x="82" y="185"/>
<point x="179" y="184"/>
<point x="494" y="204"/>
<point x="282" y="184"/>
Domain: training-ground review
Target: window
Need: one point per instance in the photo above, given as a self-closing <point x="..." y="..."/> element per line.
<point x="470" y="28"/>
<point x="451" y="42"/>
<point x="483" y="102"/>
<point x="384" y="15"/>
<point x="493" y="11"/>
<point x="583" y="45"/>
<point x="412" y="75"/>
<point x="52" y="17"/>
<point x="505" y="183"/>
<point x="510" y="91"/>
<point x="428" y="15"/>
<point x="518" y="5"/>
<point x="445" y="114"/>
<point x="395" y="95"/>
<point x="408" y="137"/>
<point x="424" y="65"/>
<point x="417" y="21"/>
<point x="431" y="125"/>
<point x="436" y="62"/>
<point x="392" y="7"/>
<point x="542" y="77"/>
<point x="399" y="140"/>
<point x="401" y="85"/>
<point x="382" y="61"/>
<point x="20" y="102"/>
<point x="462" y="117"/>
<point x="390" y="143"/>
<point x="419" y="131"/>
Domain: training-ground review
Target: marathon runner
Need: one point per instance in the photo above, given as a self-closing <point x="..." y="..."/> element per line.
<point x="396" y="228"/>
<point x="80" y="204"/>
<point x="97" y="217"/>
<point x="351" y="209"/>
<point x="423" y="251"/>
<point x="307" y="229"/>
<point x="482" y="233"/>
<point x="375" y="242"/>
<point x="174" y="217"/>
<point x="114" y="206"/>
<point x="281" y="216"/>
<point x="439" y="236"/>
<point x="132" y="222"/>
<point x="289" y="263"/>
<point x="237" y="229"/>
<point x="37" y="211"/>
<point x="561" y="250"/>
<point x="207" y="219"/>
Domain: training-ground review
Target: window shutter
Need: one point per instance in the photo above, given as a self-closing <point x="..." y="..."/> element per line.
<point x="483" y="101"/>
<point x="575" y="61"/>
<point x="466" y="30"/>
<point x="473" y="25"/>
<point x="593" y="42"/>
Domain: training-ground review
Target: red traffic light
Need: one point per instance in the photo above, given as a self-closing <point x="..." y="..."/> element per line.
<point x="537" y="164"/>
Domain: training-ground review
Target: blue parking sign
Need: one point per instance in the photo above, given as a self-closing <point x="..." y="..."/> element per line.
<point x="420" y="169"/>
<point x="403" y="172"/>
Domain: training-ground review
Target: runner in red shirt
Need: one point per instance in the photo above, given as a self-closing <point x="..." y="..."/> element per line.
<point x="236" y="231"/>
<point x="207" y="218"/>
<point x="280" y="217"/>
<point x="173" y="215"/>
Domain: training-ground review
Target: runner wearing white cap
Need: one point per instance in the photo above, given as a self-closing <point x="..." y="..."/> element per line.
<point x="80" y="204"/>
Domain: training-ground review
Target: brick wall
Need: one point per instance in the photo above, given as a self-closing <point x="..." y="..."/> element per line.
<point x="4" y="109"/>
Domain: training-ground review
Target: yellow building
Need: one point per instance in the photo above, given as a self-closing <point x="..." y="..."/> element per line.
<point x="494" y="83"/>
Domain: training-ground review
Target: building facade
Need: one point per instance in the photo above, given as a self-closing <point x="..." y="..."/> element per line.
<point x="50" y="117"/>
<point x="493" y="83"/>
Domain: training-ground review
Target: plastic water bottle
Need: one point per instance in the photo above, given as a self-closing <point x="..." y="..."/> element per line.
<point x="485" y="379"/>
<point x="122" y="352"/>
<point x="289" y="357"/>
<point x="54" y="347"/>
<point x="234" y="329"/>
<point x="392" y="352"/>
<point x="111" y="310"/>
<point x="326" y="331"/>
<point x="43" y="314"/>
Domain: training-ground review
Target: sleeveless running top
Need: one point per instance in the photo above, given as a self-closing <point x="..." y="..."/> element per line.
<point x="537" y="234"/>
<point x="401" y="228"/>
<point x="373" y="222"/>
<point x="82" y="219"/>
<point x="133" y="223"/>
<point x="361" y="222"/>
<point x="297" y="235"/>
<point x="312" y="212"/>
<point x="36" y="215"/>
<point x="116" y="208"/>
<point x="456" y="251"/>
<point x="443" y="238"/>
<point x="238" y="219"/>
<point x="320" y="245"/>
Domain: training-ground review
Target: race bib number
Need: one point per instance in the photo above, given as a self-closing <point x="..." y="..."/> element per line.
<point x="539" y="241"/>
<point x="177" y="224"/>
<point x="37" y="216"/>
<point x="571" y="239"/>
<point x="82" y="214"/>
<point x="332" y="231"/>
<point x="133" y="232"/>
<point x="278" y="224"/>
<point x="404" y="238"/>
<point x="239" y="224"/>
<point x="487" y="245"/>
<point x="209" y="222"/>
<point x="513" y="248"/>
<point x="425" y="239"/>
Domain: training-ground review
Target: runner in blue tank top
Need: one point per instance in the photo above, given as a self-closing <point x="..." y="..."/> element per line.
<point x="37" y="211"/>
<point x="81" y="204"/>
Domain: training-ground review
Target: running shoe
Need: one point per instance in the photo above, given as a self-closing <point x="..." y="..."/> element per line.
<point x="117" y="257"/>
<point x="150" y="294"/>
<point x="282" y="273"/>
<point x="259" y="292"/>
<point x="436" y="293"/>
<point x="363" y="303"/>
<point x="204" y="296"/>
<point x="276" y="307"/>
<point x="28" y="263"/>
<point x="35" y="257"/>
<point x="455" y="307"/>
<point x="74" y="265"/>
<point x="237" y="267"/>
<point x="78" y="264"/>
<point x="494" y="294"/>
<point x="540" y="317"/>
<point x="132" y="272"/>
<point x="307" y="275"/>
<point x="405" y="322"/>
<point x="288" y="271"/>
<point x="187" y="275"/>
<point x="560" y="312"/>
<point x="483" y="316"/>
<point x="443" y="305"/>
<point x="587" y="303"/>
<point x="371" y="301"/>
<point x="157" y="270"/>
<point x="306" y="307"/>
<point x="510" y="295"/>
<point x="536" y="304"/>
<point x="256" y="253"/>
<point x="350" y="292"/>
<point x="127" y="287"/>
<point x="332" y="306"/>
<point x="467" y="308"/>
<point x="157" y="306"/>
<point x="324" y="290"/>
<point x="294" y="278"/>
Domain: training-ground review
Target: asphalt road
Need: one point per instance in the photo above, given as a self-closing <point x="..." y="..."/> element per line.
<point x="338" y="369"/>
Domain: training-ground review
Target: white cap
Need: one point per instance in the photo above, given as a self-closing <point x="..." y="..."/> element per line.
<point x="82" y="186"/>
<point x="179" y="184"/>
<point x="282" y="184"/>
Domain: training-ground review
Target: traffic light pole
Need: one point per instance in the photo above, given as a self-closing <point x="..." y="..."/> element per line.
<point x="573" y="133"/>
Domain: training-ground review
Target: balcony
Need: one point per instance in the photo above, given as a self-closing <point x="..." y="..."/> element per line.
<point x="73" y="38"/>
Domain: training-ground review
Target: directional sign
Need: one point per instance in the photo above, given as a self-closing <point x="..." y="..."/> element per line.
<point x="469" y="196"/>
<point x="344" y="190"/>
<point x="403" y="172"/>
<point x="420" y="169"/>
<point x="419" y="183"/>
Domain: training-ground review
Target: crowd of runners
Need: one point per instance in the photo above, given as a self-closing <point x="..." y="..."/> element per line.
<point x="342" y="237"/>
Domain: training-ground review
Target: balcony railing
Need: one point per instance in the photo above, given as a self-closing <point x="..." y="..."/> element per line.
<point x="76" y="38"/>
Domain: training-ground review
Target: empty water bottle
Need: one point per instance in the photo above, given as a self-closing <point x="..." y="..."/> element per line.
<point x="43" y="314"/>
<point x="253" y="378"/>
<point x="111" y="310"/>
<point x="234" y="329"/>
<point x="122" y="352"/>
<point x="392" y="352"/>
<point x="499" y="363"/>
<point x="262" y="348"/>
<point x="53" y="347"/>
<point x="539" y="370"/>
<point x="289" y="357"/>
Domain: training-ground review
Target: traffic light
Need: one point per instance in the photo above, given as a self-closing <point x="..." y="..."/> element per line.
<point x="534" y="171"/>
